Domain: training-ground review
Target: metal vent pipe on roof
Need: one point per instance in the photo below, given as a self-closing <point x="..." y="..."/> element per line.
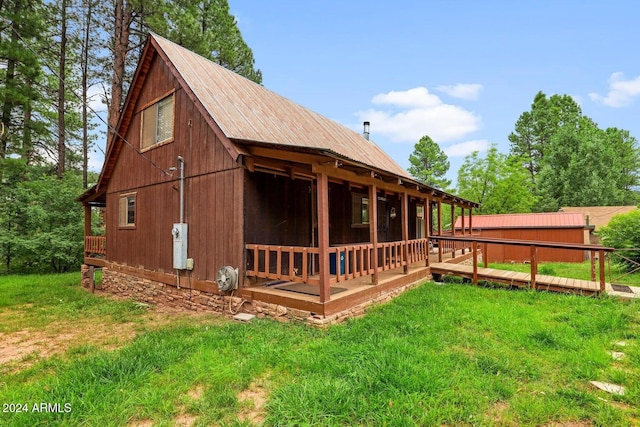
<point x="366" y="131"/>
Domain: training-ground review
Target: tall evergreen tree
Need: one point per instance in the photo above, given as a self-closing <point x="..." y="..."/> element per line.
<point x="19" y="77"/>
<point x="207" y="28"/>
<point x="429" y="164"/>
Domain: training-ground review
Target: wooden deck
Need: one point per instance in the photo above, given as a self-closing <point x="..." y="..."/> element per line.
<point x="513" y="278"/>
<point x="358" y="291"/>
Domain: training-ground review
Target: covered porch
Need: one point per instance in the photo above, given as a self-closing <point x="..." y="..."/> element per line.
<point x="346" y="236"/>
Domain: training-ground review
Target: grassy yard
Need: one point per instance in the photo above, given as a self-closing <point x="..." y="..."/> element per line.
<point x="439" y="355"/>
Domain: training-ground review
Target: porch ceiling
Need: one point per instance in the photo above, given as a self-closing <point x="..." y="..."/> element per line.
<point x="311" y="161"/>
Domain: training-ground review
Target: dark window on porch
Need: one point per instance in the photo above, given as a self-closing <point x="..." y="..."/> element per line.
<point x="127" y="214"/>
<point x="359" y="210"/>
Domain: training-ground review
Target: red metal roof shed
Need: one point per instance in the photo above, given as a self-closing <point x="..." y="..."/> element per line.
<point x="549" y="227"/>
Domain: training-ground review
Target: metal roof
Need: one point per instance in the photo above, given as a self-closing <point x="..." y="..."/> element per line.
<point x="528" y="220"/>
<point x="247" y="111"/>
<point x="599" y="216"/>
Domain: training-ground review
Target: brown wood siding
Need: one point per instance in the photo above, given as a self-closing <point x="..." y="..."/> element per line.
<point x="278" y="210"/>
<point x="213" y="188"/>
<point x="501" y="253"/>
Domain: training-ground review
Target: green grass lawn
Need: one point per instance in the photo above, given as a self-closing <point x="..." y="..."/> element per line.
<point x="439" y="355"/>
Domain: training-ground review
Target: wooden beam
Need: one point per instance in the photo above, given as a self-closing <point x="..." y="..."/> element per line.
<point x="485" y="255"/>
<point x="286" y="155"/>
<point x="323" y="236"/>
<point x="439" y="230"/>
<point x="453" y="229"/>
<point x="366" y="180"/>
<point x="249" y="163"/>
<point x="373" y="230"/>
<point x="534" y="266"/>
<point x="87" y="220"/>
<point x="464" y="230"/>
<point x="405" y="231"/>
<point x="427" y="226"/>
<point x="474" y="248"/>
<point x="601" y="265"/>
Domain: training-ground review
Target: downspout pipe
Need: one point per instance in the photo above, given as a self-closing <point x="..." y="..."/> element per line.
<point x="181" y="166"/>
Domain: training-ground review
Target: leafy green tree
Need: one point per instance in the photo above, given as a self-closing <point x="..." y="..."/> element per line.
<point x="622" y="232"/>
<point x="429" y="164"/>
<point x="534" y="129"/>
<point x="588" y="166"/>
<point x="498" y="182"/>
<point x="42" y="224"/>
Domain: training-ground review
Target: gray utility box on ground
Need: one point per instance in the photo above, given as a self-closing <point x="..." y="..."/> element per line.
<point x="180" y="234"/>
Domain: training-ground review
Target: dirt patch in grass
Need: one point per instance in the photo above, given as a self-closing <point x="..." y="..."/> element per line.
<point x="185" y="420"/>
<point x="23" y="348"/>
<point x="252" y="401"/>
<point x="569" y="424"/>
<point x="195" y="393"/>
<point x="495" y="412"/>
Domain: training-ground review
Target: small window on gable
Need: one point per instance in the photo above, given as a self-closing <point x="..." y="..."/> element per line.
<point x="359" y="209"/>
<point x="127" y="214"/>
<point x="157" y="123"/>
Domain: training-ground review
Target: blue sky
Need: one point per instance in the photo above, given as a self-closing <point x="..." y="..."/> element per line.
<point x="461" y="72"/>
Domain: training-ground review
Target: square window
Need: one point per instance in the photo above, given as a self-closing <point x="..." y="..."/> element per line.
<point x="127" y="214"/>
<point x="157" y="123"/>
<point x="359" y="210"/>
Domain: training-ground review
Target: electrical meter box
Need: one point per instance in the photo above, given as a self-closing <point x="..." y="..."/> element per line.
<point x="179" y="232"/>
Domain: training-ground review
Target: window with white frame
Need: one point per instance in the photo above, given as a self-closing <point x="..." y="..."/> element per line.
<point x="127" y="210"/>
<point x="157" y="123"/>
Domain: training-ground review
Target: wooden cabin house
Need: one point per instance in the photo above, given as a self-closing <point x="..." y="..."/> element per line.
<point x="215" y="186"/>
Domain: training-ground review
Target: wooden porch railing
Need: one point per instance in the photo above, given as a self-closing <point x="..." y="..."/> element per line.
<point x="95" y="245"/>
<point x="300" y="264"/>
<point x="451" y="246"/>
<point x="475" y="241"/>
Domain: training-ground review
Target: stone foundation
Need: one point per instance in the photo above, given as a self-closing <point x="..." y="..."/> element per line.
<point x="88" y="277"/>
<point x="153" y="292"/>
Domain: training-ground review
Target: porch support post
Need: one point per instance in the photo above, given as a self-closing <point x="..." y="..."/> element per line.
<point x="474" y="248"/>
<point x="602" y="273"/>
<point x="323" y="235"/>
<point x="464" y="230"/>
<point x="470" y="220"/>
<point x="87" y="220"/>
<point x="373" y="231"/>
<point x="440" y="230"/>
<point x="453" y="229"/>
<point x="427" y="227"/>
<point x="405" y="231"/>
<point x="453" y="219"/>
<point x="87" y="227"/>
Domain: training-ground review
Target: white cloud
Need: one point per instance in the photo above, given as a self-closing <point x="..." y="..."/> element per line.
<point x="418" y="97"/>
<point x="465" y="148"/>
<point x="621" y="92"/>
<point x="469" y="91"/>
<point x="420" y="113"/>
